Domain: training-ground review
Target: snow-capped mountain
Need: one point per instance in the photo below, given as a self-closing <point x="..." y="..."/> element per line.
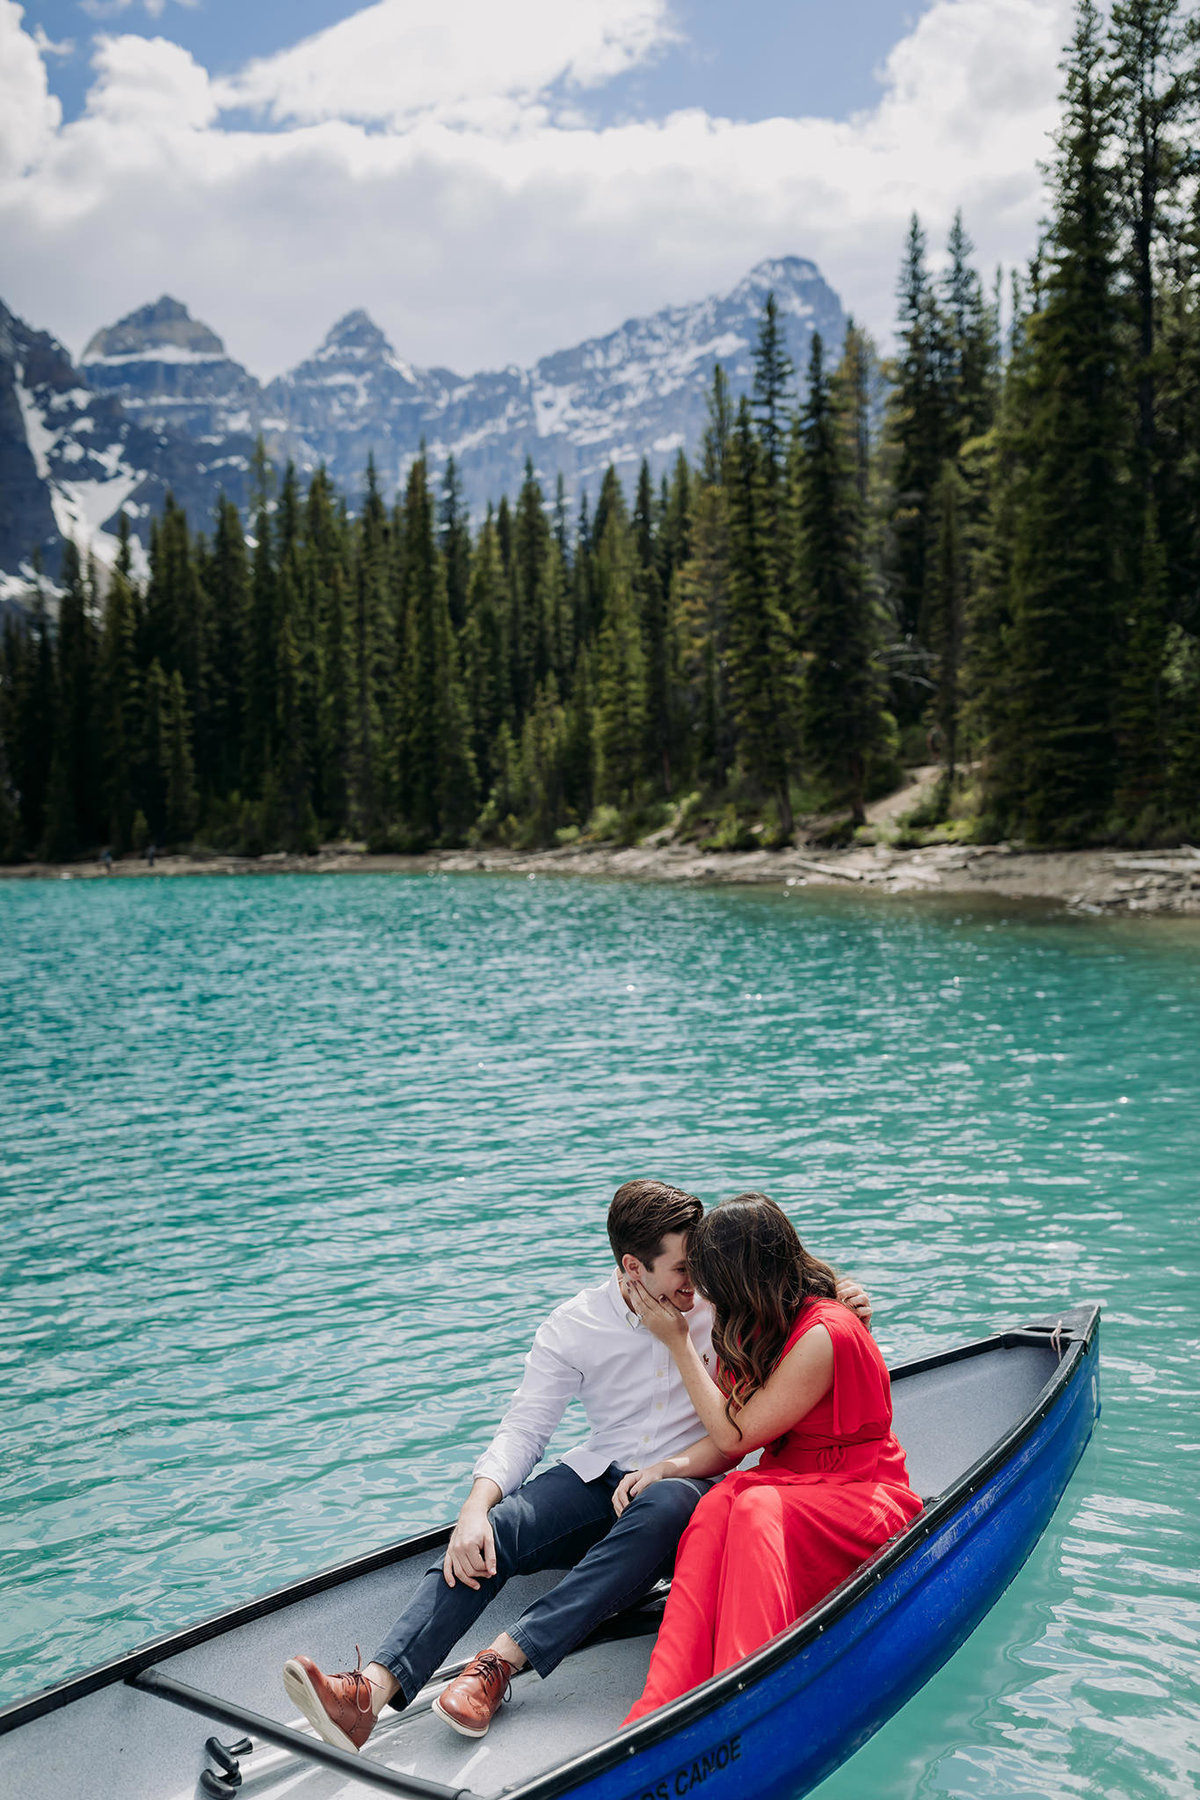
<point x="171" y="373"/>
<point x="640" y="391"/>
<point x="353" y="398"/>
<point x="157" y="403"/>
<point x="72" y="459"/>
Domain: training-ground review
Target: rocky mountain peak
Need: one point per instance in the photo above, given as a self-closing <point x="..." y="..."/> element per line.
<point x="157" y="402"/>
<point x="356" y="335"/>
<point x="797" y="284"/>
<point x="161" y="332"/>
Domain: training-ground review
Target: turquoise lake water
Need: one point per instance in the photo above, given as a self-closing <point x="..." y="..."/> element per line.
<point x="291" y="1166"/>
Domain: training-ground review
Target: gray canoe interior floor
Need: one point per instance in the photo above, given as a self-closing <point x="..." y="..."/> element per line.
<point x="542" y="1724"/>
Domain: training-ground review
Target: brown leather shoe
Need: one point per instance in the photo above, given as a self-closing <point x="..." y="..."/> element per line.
<point x="338" y="1707"/>
<point x="470" y="1702"/>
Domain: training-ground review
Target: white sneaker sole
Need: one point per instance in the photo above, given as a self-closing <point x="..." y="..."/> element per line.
<point x="300" y="1691"/>
<point x="462" y="1730"/>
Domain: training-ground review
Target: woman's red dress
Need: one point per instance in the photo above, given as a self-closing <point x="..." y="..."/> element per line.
<point x="766" y="1544"/>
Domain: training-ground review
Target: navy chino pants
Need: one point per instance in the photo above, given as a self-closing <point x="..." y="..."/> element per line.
<point x="556" y="1521"/>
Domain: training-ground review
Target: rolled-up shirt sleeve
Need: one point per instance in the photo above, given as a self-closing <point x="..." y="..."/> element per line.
<point x="550" y="1381"/>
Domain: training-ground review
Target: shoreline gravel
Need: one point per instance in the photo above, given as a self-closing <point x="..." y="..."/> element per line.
<point x="1097" y="882"/>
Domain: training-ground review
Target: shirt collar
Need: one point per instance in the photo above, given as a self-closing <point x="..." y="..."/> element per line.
<point x="618" y="1303"/>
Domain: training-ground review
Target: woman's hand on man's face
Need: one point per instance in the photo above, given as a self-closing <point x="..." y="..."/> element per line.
<point x="661" y="1319"/>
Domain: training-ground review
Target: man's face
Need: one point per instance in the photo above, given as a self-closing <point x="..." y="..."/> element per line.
<point x="666" y="1278"/>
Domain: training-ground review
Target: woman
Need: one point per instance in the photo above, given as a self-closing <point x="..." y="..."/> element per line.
<point x="799" y="1373"/>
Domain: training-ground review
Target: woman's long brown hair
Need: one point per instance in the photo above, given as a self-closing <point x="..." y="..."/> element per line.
<point x="745" y="1257"/>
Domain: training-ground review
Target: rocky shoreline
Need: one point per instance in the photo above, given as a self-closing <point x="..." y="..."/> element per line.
<point x="1112" y="882"/>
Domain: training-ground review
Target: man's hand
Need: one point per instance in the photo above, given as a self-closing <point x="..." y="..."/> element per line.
<point x="856" y="1297"/>
<point x="471" y="1553"/>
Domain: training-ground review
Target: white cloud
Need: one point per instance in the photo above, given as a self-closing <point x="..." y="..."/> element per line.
<point x="146" y="85"/>
<point x="47" y="45"/>
<point x="399" y="58"/>
<point x="461" y="210"/>
<point x="29" y="114"/>
<point x="111" y="9"/>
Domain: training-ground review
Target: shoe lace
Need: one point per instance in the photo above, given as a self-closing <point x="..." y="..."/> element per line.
<point x="362" y="1683"/>
<point x="491" y="1667"/>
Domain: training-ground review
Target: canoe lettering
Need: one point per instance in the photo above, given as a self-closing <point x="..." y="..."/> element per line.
<point x="691" y="1774"/>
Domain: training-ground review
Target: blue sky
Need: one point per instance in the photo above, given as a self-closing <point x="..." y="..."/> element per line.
<point x="497" y="179"/>
<point x="798" y="57"/>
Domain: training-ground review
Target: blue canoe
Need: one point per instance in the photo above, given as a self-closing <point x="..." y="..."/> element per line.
<point x="992" y="1431"/>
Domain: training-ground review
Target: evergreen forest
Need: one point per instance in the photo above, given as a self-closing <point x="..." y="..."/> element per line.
<point x="983" y="552"/>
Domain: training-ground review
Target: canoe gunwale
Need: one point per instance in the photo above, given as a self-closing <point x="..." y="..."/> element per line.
<point x="1078" y="1327"/>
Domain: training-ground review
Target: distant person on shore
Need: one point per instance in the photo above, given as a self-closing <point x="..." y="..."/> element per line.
<point x="799" y="1378"/>
<point x="596" y="1348"/>
<point x="106" y="859"/>
<point x="151" y="853"/>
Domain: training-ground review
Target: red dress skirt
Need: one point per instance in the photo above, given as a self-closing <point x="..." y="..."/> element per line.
<point x="766" y="1544"/>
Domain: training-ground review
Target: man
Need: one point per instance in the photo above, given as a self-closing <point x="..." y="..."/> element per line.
<point x="593" y="1348"/>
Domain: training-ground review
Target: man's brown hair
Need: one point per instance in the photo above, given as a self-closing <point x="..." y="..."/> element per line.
<point x="643" y="1213"/>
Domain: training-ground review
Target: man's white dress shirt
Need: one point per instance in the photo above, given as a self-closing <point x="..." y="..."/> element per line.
<point x="594" y="1348"/>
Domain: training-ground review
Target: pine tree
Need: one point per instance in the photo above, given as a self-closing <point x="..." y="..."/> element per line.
<point x="540" y="765"/>
<point x="774" y="375"/>
<point x="1140" y="724"/>
<point x="970" y="346"/>
<point x="482" y="649"/>
<point x="336" y="707"/>
<point x="77" y="742"/>
<point x="454" y="541"/>
<point x="919" y="441"/>
<point x="437" y="784"/>
<point x="701" y="609"/>
<point x="761" y="651"/>
<point x="119" y="701"/>
<point x="176" y="763"/>
<point x="498" y="818"/>
<point x="620" y="705"/>
<point x="844" y="729"/>
<point x="651" y="599"/>
<point x="718" y="433"/>
<point x="585" y="605"/>
<point x="949" y="588"/>
<point x="10" y="826"/>
<point x="579" y="742"/>
<point x="1182" y="689"/>
<point x="33" y="708"/>
<point x="227" y="578"/>
<point x="262" y="637"/>
<point x="675" y="521"/>
<point x="996" y="470"/>
<point x="1154" y="92"/>
<point x="60" y="836"/>
<point x="369" y="662"/>
<point x="1072" y="516"/>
